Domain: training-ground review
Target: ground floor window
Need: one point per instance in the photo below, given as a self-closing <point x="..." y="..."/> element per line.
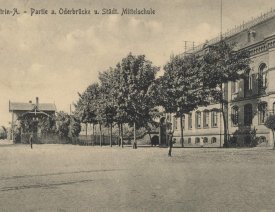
<point x="262" y="139"/>
<point x="197" y="140"/>
<point x="213" y="140"/>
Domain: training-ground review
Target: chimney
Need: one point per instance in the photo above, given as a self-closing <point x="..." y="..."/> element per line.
<point x="37" y="103"/>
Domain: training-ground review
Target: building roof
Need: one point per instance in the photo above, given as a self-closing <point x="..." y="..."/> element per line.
<point x="235" y="31"/>
<point x="19" y="106"/>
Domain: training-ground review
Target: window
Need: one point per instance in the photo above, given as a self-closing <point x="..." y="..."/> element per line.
<point x="189" y="141"/>
<point x="183" y="122"/>
<point x="198" y="119"/>
<point x="190" y="121"/>
<point x="251" y="35"/>
<point x="248" y="114"/>
<point x="262" y="107"/>
<point x="205" y="140"/>
<point x="175" y="123"/>
<point x="250" y="81"/>
<point x="206" y="119"/>
<point x="213" y="140"/>
<point x="197" y="140"/>
<point x="234" y="87"/>
<point x="235" y="116"/>
<point x="214" y="118"/>
<point x="262" y="80"/>
<point x="247" y="84"/>
<point x="262" y="139"/>
<point x="273" y="108"/>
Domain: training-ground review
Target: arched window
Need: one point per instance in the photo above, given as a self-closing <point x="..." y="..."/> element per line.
<point x="197" y="140"/>
<point x="262" y="139"/>
<point x="235" y="115"/>
<point x="206" y="119"/>
<point x="262" y="79"/>
<point x="248" y="114"/>
<point x="213" y="140"/>
<point x="262" y="107"/>
<point x="198" y="119"/>
<point x="205" y="140"/>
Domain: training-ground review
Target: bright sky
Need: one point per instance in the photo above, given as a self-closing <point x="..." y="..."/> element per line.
<point x="56" y="56"/>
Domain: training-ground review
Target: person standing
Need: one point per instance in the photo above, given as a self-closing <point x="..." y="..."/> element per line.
<point x="31" y="140"/>
<point x="171" y="141"/>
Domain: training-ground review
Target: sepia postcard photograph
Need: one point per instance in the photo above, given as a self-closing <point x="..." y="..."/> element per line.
<point x="137" y="105"/>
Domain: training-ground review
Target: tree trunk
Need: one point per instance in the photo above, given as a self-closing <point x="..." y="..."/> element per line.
<point x="223" y="115"/>
<point x="135" y="141"/>
<point x="100" y="136"/>
<point x="181" y="132"/>
<point x="86" y="125"/>
<point x="93" y="142"/>
<point x="111" y="134"/>
<point x="150" y="137"/>
<point x="119" y="134"/>
<point x="121" y="139"/>
<point x="273" y="140"/>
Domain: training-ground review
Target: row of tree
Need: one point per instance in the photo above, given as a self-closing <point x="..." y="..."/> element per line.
<point x="131" y="93"/>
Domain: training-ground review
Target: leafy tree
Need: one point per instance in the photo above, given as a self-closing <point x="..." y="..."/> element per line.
<point x="3" y="132"/>
<point x="63" y="124"/>
<point x="135" y="75"/>
<point x="47" y="124"/>
<point x="75" y="126"/>
<point x="222" y="63"/>
<point x="67" y="126"/>
<point x="270" y="124"/>
<point x="180" y="90"/>
<point x="86" y="106"/>
<point x="109" y="108"/>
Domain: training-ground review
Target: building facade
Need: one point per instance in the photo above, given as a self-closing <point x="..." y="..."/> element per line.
<point x="251" y="99"/>
<point x="19" y="109"/>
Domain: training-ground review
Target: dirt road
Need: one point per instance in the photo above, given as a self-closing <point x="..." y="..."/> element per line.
<point x="78" y="178"/>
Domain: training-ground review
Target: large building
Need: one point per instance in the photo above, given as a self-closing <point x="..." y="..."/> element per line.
<point x="250" y="99"/>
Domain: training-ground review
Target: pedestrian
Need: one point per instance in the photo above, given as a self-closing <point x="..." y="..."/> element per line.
<point x="171" y="141"/>
<point x="31" y="140"/>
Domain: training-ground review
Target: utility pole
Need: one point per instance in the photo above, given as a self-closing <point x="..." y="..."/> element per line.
<point x="221" y="91"/>
<point x="221" y="21"/>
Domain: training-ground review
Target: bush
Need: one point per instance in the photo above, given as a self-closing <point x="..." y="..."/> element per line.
<point x="248" y="138"/>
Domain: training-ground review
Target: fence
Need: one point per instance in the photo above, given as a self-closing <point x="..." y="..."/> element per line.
<point x="92" y="140"/>
<point x="43" y="138"/>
